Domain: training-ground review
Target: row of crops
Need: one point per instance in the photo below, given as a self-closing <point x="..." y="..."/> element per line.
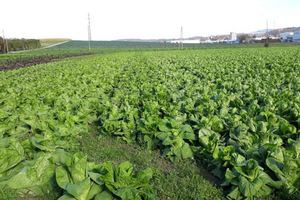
<point x="236" y="110"/>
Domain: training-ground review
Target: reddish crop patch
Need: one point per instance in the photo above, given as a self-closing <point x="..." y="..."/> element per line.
<point x="16" y="63"/>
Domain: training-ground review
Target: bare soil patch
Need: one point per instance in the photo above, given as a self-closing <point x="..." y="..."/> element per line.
<point x="20" y="62"/>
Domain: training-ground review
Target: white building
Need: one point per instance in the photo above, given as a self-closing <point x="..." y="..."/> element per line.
<point x="296" y="36"/>
<point x="191" y="41"/>
<point x="286" y="37"/>
<point x="254" y="39"/>
<point x="186" y="41"/>
<point x="232" y="36"/>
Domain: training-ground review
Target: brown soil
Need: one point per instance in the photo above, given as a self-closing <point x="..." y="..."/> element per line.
<point x="16" y="63"/>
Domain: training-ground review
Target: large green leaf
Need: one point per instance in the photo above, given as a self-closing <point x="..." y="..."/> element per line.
<point x="249" y="189"/>
<point x="79" y="190"/>
<point x="77" y="168"/>
<point x="235" y="194"/>
<point x="62" y="176"/>
<point x="67" y="197"/>
<point x="109" y="175"/>
<point x="184" y="151"/>
<point x="11" y="154"/>
<point x="249" y="169"/>
<point x="105" y="195"/>
<point x="38" y="178"/>
<point x="94" y="190"/>
<point x="96" y="177"/>
<point x="128" y="193"/>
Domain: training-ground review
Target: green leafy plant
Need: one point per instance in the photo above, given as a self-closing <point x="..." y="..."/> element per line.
<point x="249" y="180"/>
<point x="84" y="181"/>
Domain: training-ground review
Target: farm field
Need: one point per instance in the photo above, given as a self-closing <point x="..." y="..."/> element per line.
<point x="77" y="48"/>
<point x="146" y="46"/>
<point x="119" y="44"/>
<point x="16" y="61"/>
<point x="74" y="49"/>
<point x="231" y="111"/>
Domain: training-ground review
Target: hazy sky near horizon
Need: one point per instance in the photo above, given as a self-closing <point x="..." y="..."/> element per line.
<point x="144" y="19"/>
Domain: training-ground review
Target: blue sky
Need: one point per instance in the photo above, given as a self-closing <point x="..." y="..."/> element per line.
<point x="118" y="19"/>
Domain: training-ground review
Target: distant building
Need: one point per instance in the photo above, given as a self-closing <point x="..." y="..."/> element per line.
<point x="296" y="36"/>
<point x="233" y="41"/>
<point x="252" y="40"/>
<point x="286" y="37"/>
<point x="232" y="36"/>
<point x="191" y="41"/>
<point x="185" y="41"/>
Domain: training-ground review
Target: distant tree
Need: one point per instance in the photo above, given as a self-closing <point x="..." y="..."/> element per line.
<point x="243" y="38"/>
<point x="1" y="45"/>
<point x="19" y="44"/>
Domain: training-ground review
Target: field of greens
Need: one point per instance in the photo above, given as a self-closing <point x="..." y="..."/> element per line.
<point x="235" y="111"/>
<point x="117" y="44"/>
<point x="79" y="44"/>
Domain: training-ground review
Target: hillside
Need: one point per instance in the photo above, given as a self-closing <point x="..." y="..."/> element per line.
<point x="216" y="37"/>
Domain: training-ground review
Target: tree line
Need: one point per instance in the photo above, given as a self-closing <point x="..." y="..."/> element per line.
<point x="18" y="44"/>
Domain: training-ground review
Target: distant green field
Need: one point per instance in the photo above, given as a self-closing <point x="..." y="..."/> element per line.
<point x="118" y="44"/>
<point x="122" y="44"/>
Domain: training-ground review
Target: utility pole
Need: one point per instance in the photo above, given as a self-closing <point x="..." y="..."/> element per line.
<point x="181" y="38"/>
<point x="5" y="44"/>
<point x="89" y="32"/>
<point x="3" y="41"/>
<point x="267" y="39"/>
<point x="267" y="30"/>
